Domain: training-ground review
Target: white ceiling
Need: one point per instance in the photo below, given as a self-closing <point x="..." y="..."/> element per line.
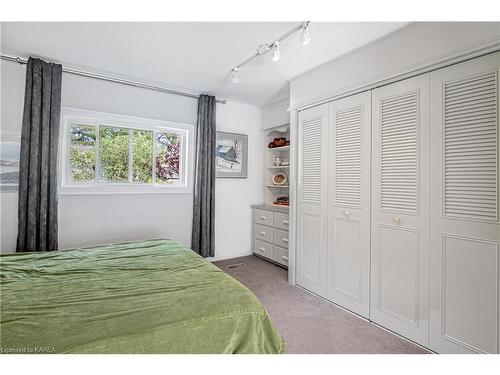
<point x="193" y="56"/>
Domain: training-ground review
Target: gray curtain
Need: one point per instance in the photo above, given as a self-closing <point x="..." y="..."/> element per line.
<point x="203" y="232"/>
<point x="37" y="208"/>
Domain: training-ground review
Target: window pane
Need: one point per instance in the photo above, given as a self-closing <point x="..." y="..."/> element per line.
<point x="113" y="154"/>
<point x="168" y="151"/>
<point x="82" y="152"/>
<point x="142" y="156"/>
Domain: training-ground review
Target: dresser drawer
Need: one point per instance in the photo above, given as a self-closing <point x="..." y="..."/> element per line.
<point x="281" y="221"/>
<point x="263" y="217"/>
<point x="262" y="232"/>
<point x="281" y="238"/>
<point x="263" y="248"/>
<point x="280" y="255"/>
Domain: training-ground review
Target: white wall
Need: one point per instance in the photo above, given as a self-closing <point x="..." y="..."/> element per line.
<point x="415" y="45"/>
<point x="96" y="219"/>
<point x="233" y="197"/>
<point x="276" y="114"/>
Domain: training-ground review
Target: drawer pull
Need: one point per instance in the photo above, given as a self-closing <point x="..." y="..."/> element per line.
<point x="284" y="258"/>
<point x="262" y="233"/>
<point x="262" y="218"/>
<point x="286" y="222"/>
<point x="262" y="249"/>
<point x="285" y="240"/>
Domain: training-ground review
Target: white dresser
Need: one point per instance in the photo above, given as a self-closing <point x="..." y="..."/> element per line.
<point x="270" y="233"/>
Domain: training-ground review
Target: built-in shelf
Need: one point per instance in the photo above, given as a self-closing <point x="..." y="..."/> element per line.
<point x="282" y="148"/>
<point x="279" y="167"/>
<point x="272" y="156"/>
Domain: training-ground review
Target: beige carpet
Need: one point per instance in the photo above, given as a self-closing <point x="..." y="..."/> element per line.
<point x="307" y="323"/>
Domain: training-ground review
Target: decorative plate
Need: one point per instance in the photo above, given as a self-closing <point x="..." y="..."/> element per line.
<point x="279" y="178"/>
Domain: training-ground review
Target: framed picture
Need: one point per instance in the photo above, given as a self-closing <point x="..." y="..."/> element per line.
<point x="10" y="150"/>
<point x="231" y="155"/>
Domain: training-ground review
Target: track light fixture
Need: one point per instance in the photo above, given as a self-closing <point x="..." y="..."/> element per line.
<point x="235" y="74"/>
<point x="276" y="51"/>
<point x="306" y="37"/>
<point x="275" y="46"/>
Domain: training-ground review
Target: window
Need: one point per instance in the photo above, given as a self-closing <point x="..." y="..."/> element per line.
<point x="112" y="153"/>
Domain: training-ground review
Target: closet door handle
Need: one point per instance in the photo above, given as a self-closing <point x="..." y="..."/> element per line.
<point x="346" y="213"/>
<point x="396" y="220"/>
<point x="285" y="240"/>
<point x="262" y="233"/>
<point x="284" y="257"/>
<point x="286" y="222"/>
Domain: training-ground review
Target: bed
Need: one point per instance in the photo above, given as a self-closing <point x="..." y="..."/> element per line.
<point x="152" y="296"/>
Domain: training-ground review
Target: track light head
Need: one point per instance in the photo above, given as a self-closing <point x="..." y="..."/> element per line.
<point x="306" y="37"/>
<point x="263" y="48"/>
<point x="276" y="51"/>
<point x="235" y="74"/>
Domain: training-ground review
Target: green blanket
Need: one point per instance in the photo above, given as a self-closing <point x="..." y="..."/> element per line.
<point x="152" y="296"/>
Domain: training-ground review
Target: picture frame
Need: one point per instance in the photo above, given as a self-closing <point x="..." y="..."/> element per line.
<point x="231" y="155"/>
<point x="10" y="152"/>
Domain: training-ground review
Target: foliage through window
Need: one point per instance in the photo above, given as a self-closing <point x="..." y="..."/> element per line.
<point x="113" y="154"/>
<point x="167" y="162"/>
<point x="82" y="156"/>
<point x="104" y="153"/>
<point x="142" y="156"/>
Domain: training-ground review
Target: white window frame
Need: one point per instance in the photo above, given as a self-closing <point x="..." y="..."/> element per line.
<point x="71" y="116"/>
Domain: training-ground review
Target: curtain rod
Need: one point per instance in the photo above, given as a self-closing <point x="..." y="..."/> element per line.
<point x="128" y="82"/>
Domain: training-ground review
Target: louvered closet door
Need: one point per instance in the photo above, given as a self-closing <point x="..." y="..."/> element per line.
<point x="400" y="199"/>
<point x="312" y="196"/>
<point x="349" y="203"/>
<point x="465" y="230"/>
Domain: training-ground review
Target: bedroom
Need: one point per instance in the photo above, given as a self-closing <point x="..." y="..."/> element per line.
<point x="304" y="186"/>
